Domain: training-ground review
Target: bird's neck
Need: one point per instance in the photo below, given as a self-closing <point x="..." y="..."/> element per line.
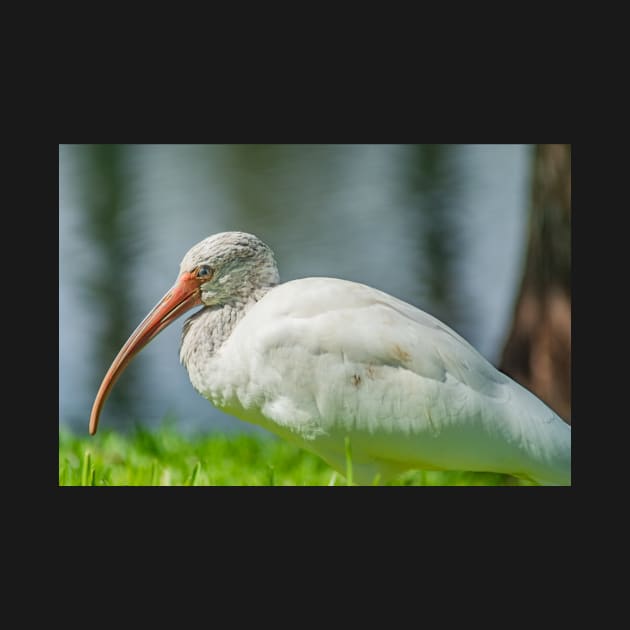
<point x="207" y="330"/>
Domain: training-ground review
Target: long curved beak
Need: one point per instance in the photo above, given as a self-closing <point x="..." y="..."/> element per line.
<point x="184" y="295"/>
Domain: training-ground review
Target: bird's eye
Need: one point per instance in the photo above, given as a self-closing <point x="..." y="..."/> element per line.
<point x="204" y="271"/>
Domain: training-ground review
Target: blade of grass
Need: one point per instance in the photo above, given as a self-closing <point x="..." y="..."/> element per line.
<point x="348" y="461"/>
<point x="195" y="475"/>
<point x="86" y="468"/>
<point x="155" y="478"/>
<point x="333" y="479"/>
<point x="63" y="473"/>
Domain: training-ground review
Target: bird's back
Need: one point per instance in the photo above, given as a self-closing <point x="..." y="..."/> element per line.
<point x="319" y="359"/>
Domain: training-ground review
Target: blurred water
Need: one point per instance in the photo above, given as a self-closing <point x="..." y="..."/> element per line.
<point x="440" y="226"/>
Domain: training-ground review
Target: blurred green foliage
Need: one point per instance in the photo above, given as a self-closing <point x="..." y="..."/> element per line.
<point x="166" y="458"/>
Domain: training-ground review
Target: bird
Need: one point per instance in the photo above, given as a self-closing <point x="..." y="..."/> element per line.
<point x="326" y="362"/>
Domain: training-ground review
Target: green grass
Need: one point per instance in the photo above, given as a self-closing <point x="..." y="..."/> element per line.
<point x="165" y="458"/>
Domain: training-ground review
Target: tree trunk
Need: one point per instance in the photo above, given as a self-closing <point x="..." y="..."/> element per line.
<point x="538" y="350"/>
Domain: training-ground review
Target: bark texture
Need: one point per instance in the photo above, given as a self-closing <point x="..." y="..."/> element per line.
<point x="537" y="353"/>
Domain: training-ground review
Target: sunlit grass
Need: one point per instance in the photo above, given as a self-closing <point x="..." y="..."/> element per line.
<point x="165" y="458"/>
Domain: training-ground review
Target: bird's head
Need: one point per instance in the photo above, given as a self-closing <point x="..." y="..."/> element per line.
<point x="223" y="268"/>
<point x="229" y="266"/>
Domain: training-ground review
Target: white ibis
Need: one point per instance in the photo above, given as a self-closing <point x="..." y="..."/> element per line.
<point x="317" y="360"/>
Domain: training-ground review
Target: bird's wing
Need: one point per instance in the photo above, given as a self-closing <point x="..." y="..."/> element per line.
<point x="332" y="357"/>
<point x="365" y="327"/>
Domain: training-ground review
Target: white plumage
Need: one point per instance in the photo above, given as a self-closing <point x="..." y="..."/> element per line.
<point x="318" y="359"/>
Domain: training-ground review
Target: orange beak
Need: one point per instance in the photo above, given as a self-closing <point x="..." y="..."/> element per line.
<point x="184" y="295"/>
